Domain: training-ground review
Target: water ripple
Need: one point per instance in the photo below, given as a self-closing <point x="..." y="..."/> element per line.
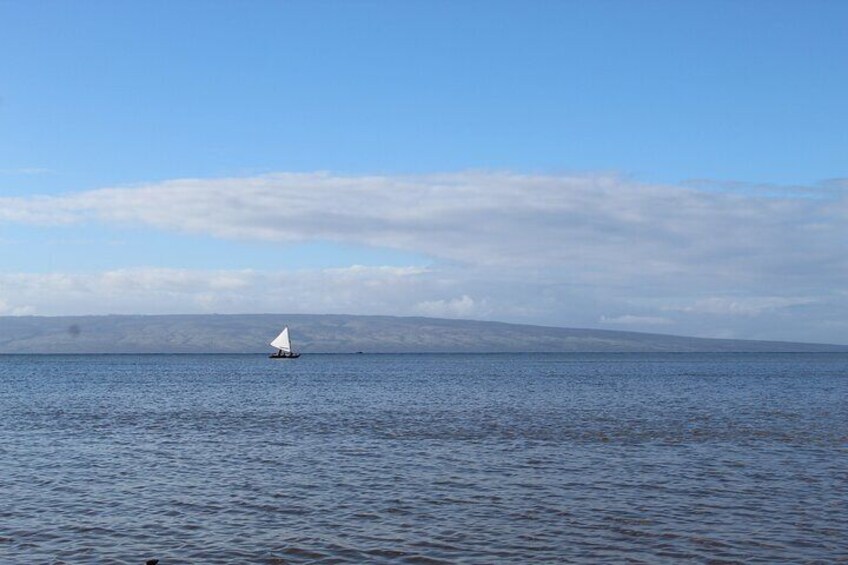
<point x="424" y="459"/>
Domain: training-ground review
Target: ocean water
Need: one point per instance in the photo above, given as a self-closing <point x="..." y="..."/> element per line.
<point x="424" y="459"/>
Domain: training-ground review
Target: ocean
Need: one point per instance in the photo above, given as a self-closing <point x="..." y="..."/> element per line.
<point x="510" y="458"/>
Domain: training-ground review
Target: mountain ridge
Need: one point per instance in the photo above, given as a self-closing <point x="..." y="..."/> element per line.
<point x="339" y="333"/>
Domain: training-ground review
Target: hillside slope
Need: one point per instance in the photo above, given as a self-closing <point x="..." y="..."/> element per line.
<point x="250" y="333"/>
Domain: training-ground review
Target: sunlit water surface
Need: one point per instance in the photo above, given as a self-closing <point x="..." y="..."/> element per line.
<point x="424" y="459"/>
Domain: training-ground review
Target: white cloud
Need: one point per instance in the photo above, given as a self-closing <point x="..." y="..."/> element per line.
<point x="151" y="290"/>
<point x="530" y="248"/>
<point x="602" y="227"/>
<point x="631" y="320"/>
<point x="6" y="310"/>
<point x="462" y="307"/>
<point x="741" y="306"/>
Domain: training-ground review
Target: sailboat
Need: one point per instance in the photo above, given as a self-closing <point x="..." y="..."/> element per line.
<point x="284" y="348"/>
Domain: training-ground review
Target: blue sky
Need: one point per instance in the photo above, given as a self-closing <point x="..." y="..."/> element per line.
<point x="654" y="166"/>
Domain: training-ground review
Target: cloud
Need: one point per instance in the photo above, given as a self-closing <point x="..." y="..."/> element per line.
<point x="552" y="249"/>
<point x="6" y="310"/>
<point x="462" y="307"/>
<point x="631" y="320"/>
<point x="602" y="228"/>
<point x="742" y="306"/>
<point x="355" y="289"/>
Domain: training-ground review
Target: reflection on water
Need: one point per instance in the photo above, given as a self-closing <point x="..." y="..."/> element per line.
<point x="424" y="459"/>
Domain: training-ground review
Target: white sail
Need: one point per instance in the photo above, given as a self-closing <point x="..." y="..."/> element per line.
<point x="282" y="341"/>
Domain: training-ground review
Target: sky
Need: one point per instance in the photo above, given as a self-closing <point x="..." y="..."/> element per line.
<point x="657" y="166"/>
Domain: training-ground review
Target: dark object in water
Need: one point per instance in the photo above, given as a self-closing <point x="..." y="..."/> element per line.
<point x="283" y="355"/>
<point x="151" y="562"/>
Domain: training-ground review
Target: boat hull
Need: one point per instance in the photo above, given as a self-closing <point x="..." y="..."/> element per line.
<point x="284" y="356"/>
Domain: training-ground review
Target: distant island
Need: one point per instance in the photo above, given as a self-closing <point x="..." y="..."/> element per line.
<point x="250" y="333"/>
